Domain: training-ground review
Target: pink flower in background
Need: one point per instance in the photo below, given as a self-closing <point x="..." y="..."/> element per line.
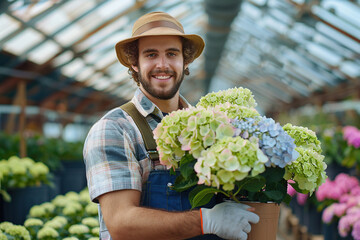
<point x="339" y="209"/>
<point x="352" y="136"/>
<point x="348" y="131"/>
<point x="345" y="189"/>
<point x="328" y="214"/>
<point x="344" y="226"/>
<point x="353" y="211"/>
<point x="344" y="198"/>
<point x="355" y="191"/>
<point x="323" y="190"/>
<point x="353" y="201"/>
<point x="356" y="231"/>
<point x="346" y="182"/>
<point x="301" y="198"/>
<point x="335" y="193"/>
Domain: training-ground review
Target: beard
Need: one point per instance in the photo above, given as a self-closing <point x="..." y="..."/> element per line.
<point x="161" y="94"/>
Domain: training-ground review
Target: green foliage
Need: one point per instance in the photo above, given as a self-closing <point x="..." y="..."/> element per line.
<point x="49" y="151"/>
<point x="201" y="195"/>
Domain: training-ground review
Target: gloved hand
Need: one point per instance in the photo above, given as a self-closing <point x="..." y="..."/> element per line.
<point x="228" y="220"/>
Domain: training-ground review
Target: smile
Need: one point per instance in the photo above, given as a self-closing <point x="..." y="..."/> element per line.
<point x="162" y="77"/>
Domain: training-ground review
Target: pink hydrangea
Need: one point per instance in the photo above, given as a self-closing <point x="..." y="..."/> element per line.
<point x="352" y="136"/>
<point x="356" y="231"/>
<point x="344" y="198"/>
<point x="353" y="201"/>
<point x="336" y="189"/>
<point x="301" y="198"/>
<point x="340" y="209"/>
<point x="348" y="131"/>
<point x="344" y="226"/>
<point x="323" y="190"/>
<point x="355" y="191"/>
<point x="328" y="214"/>
<point x="346" y="182"/>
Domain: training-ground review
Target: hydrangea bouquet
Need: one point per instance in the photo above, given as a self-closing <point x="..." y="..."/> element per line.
<point x="223" y="145"/>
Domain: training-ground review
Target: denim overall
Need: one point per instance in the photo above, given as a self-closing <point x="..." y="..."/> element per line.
<point x="157" y="193"/>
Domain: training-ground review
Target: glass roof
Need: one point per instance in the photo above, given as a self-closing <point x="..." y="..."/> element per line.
<point x="283" y="50"/>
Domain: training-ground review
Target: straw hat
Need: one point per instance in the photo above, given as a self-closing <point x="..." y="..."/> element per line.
<point x="157" y="24"/>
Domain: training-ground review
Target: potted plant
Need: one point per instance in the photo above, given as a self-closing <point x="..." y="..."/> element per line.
<point x="339" y="200"/>
<point x="224" y="146"/>
<point x="23" y="184"/>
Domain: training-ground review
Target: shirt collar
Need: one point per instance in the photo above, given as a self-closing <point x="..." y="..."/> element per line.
<point x="146" y="107"/>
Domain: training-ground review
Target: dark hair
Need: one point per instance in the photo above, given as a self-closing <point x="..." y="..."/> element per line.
<point x="131" y="51"/>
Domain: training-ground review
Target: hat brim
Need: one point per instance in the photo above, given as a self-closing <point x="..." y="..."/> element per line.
<point x="196" y="40"/>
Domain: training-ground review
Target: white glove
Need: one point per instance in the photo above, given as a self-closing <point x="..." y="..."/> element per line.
<point x="228" y="220"/>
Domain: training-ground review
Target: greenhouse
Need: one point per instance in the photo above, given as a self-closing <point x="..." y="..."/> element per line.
<point x="180" y="119"/>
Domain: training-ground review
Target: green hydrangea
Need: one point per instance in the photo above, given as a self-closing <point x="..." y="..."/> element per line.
<point x="94" y="238"/>
<point x="49" y="207"/>
<point x="61" y="219"/>
<point x="47" y="233"/>
<point x="72" y="209"/>
<point x="72" y="196"/>
<point x="72" y="238"/>
<point x="33" y="222"/>
<point x="33" y="225"/>
<point x="54" y="224"/>
<point x="3" y="236"/>
<point x="78" y="229"/>
<point x="84" y="196"/>
<point x="18" y="232"/>
<point x="228" y="160"/>
<point x="39" y="169"/>
<point x="308" y="170"/>
<point x="90" y="222"/>
<point x="237" y="96"/>
<point x="37" y="211"/>
<point x="95" y="231"/>
<point x="60" y="201"/>
<point x="4" y="168"/>
<point x="303" y="137"/>
<point x="5" y="225"/>
<point x="16" y="167"/>
<point x="92" y="209"/>
<point x="235" y="111"/>
<point x="28" y="162"/>
<point x="192" y="130"/>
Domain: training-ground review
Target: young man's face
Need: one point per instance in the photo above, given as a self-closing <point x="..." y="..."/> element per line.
<point x="161" y="65"/>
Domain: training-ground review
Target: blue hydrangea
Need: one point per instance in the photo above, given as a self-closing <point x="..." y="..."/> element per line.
<point x="275" y="143"/>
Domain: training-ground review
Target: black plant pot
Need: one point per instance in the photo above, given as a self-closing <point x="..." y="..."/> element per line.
<point x="54" y="190"/>
<point x="333" y="169"/>
<point x="22" y="199"/>
<point x="72" y="176"/>
<point x="312" y="219"/>
<point x="330" y="232"/>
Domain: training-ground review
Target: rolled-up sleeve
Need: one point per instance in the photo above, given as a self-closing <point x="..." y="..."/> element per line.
<point x="109" y="155"/>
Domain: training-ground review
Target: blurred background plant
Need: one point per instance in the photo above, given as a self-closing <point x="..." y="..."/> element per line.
<point x="12" y="231"/>
<point x="18" y="172"/>
<point x="49" y="151"/>
<point x="71" y="216"/>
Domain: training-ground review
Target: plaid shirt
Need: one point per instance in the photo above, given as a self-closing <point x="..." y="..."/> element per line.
<point x="115" y="154"/>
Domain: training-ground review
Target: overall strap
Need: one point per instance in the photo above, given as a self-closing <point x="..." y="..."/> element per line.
<point x="144" y="128"/>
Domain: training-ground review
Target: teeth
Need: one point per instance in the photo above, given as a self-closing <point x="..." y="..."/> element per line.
<point x="162" y="77"/>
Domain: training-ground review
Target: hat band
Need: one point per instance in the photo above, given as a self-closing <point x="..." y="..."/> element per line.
<point x="156" y="24"/>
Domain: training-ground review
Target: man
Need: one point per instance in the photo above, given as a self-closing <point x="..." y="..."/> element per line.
<point x="134" y="191"/>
